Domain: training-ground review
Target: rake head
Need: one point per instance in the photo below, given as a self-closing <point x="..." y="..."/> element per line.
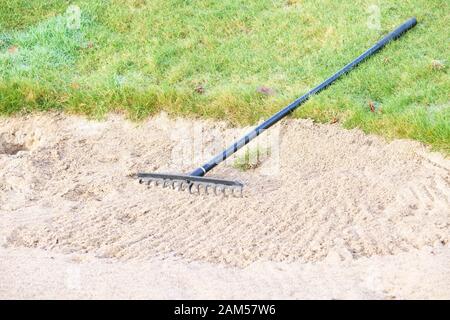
<point x="193" y="184"/>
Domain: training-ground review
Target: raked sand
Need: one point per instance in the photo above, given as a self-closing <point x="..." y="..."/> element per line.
<point x="331" y="213"/>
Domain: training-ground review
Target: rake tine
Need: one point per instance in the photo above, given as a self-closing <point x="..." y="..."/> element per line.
<point x="239" y="189"/>
<point x="203" y="188"/>
<point x="219" y="189"/>
<point x="198" y="187"/>
<point x="181" y="186"/>
<point x="191" y="188"/>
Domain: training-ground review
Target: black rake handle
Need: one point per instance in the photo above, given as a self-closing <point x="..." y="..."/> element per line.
<point x="397" y="33"/>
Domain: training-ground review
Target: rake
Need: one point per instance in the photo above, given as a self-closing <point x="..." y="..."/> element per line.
<point x="195" y="182"/>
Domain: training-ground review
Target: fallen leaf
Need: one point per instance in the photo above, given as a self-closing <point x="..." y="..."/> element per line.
<point x="200" y="89"/>
<point x="13" y="49"/>
<point x="437" y="65"/>
<point x="372" y="106"/>
<point x="265" y="90"/>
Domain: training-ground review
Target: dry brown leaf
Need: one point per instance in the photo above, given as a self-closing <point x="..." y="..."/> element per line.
<point x="13" y="49"/>
<point x="372" y="106"/>
<point x="265" y="90"/>
<point x="200" y="89"/>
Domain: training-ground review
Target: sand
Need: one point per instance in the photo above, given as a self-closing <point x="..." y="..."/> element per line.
<point x="330" y="213"/>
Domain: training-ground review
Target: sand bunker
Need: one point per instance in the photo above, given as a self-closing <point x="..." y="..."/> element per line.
<point x="66" y="185"/>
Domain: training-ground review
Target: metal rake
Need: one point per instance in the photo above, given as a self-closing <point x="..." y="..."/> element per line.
<point x="195" y="182"/>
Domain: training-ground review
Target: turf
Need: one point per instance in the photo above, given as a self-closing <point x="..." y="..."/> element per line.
<point x="231" y="59"/>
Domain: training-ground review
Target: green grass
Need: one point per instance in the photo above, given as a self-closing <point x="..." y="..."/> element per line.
<point x="251" y="158"/>
<point x="142" y="56"/>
